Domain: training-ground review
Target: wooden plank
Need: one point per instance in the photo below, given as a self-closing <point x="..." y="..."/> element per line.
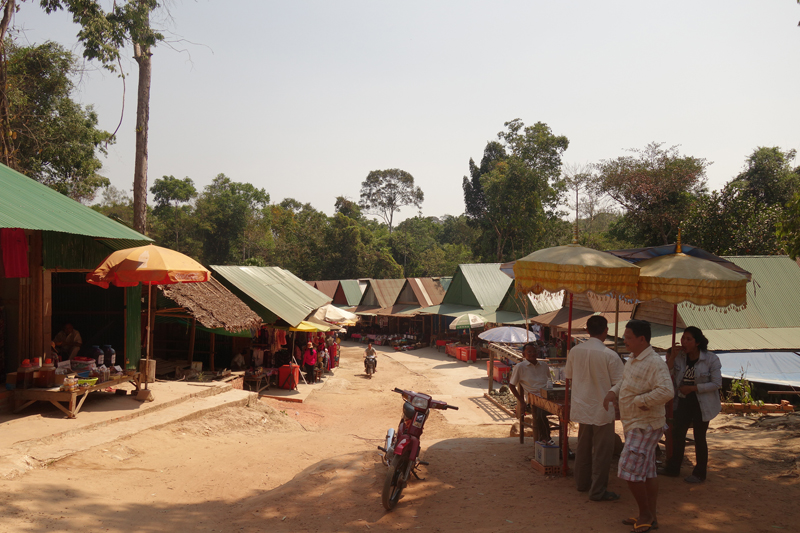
<point x="37" y="294"/>
<point x="47" y="302"/>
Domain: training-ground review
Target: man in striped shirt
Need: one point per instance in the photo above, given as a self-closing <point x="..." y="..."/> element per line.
<point x="645" y="387"/>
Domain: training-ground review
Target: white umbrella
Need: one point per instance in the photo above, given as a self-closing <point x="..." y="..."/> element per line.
<point x="331" y="313"/>
<point x="468" y="321"/>
<point x="509" y="335"/>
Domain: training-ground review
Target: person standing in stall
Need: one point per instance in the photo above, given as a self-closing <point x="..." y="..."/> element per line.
<point x="309" y="362"/>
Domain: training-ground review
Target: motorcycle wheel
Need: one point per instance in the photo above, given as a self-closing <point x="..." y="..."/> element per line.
<point x="393" y="485"/>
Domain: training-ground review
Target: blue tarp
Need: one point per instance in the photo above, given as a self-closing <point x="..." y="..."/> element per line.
<point x="778" y="368"/>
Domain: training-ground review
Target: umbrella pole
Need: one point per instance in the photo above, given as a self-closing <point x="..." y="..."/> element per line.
<point x="147" y="354"/>
<point x="565" y="425"/>
<point x="668" y="433"/>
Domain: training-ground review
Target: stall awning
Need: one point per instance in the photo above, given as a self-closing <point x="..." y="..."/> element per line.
<point x="776" y="368"/>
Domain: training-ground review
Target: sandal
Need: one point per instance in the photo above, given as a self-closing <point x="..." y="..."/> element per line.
<point x="632" y="522"/>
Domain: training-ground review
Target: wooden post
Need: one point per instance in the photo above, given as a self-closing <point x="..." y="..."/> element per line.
<point x="37" y="296"/>
<point x="211" y="352"/>
<point x="153" y="306"/>
<point x="491" y="370"/>
<point x="192" y="335"/>
<point x="521" y="413"/>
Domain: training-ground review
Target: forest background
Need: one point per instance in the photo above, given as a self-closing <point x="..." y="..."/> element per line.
<point x="518" y="197"/>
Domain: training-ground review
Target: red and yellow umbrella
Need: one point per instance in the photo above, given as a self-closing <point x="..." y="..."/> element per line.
<point x="151" y="265"/>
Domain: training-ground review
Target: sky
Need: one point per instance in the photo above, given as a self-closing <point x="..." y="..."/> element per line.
<point x="305" y="98"/>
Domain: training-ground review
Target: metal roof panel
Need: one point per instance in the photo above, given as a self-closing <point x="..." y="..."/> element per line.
<point x="27" y="204"/>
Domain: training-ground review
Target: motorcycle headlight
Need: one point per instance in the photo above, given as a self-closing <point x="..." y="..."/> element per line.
<point x="420" y="403"/>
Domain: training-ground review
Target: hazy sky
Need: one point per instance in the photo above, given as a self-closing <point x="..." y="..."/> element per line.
<point x="304" y="98"/>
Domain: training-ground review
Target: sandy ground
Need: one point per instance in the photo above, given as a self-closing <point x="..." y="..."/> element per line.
<point x="288" y="467"/>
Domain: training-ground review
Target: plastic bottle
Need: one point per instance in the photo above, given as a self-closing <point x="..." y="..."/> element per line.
<point x="110" y="355"/>
<point x="98" y="355"/>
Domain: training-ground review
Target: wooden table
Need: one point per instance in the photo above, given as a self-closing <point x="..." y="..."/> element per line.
<point x="263" y="377"/>
<point x="25" y="397"/>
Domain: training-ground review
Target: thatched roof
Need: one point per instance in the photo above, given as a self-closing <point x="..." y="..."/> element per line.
<point x="214" y="306"/>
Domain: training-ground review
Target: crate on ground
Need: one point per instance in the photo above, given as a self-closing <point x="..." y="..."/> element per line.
<point x="546" y="454"/>
<point x="546" y="470"/>
<point x="466" y="353"/>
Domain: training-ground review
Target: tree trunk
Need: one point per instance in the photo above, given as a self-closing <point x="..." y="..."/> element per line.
<point x="143" y="57"/>
<point x="5" y="113"/>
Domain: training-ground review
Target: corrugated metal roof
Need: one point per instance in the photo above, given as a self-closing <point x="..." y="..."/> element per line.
<point x="327" y="287"/>
<point x="275" y="290"/>
<point x="28" y="204"/>
<point x="773" y="298"/>
<point x="352" y="291"/>
<point x="446" y="282"/>
<point x="381" y="292"/>
<point x="537" y="305"/>
<point x="481" y="284"/>
<point x="421" y="292"/>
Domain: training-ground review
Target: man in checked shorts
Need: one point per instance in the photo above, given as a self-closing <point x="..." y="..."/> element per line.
<point x="645" y="387"/>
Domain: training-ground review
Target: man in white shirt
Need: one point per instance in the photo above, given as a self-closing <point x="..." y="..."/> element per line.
<point x="530" y="376"/>
<point x="593" y="369"/>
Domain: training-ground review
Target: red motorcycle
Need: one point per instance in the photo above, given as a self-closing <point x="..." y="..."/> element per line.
<point x="402" y="448"/>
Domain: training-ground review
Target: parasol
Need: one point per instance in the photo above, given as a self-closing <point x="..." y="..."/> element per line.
<point x="575" y="269"/>
<point x="149" y="264"/>
<point x="679" y="278"/>
<point x="335" y="315"/>
<point x="508" y="335"/>
<point x="468" y="321"/>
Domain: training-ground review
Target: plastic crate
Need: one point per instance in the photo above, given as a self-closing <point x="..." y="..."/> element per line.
<point x="502" y="373"/>
<point x="546" y="470"/>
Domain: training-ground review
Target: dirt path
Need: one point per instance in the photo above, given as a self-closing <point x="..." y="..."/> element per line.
<point x="314" y="467"/>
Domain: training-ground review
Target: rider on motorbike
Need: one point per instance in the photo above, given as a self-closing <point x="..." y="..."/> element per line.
<point x="372" y="354"/>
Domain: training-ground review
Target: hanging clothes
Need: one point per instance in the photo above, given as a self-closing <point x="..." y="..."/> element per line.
<point x="15" y="252"/>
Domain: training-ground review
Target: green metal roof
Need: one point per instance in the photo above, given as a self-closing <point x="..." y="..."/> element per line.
<point x="27" y="204"/>
<point x="480" y="285"/>
<point x="351" y="290"/>
<point x="773" y="298"/>
<point x="272" y="292"/>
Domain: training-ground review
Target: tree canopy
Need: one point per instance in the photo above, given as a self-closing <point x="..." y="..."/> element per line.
<point x="656" y="187"/>
<point x="384" y="192"/>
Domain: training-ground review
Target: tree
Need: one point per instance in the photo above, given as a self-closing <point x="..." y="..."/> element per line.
<point x="513" y="196"/>
<point x="169" y="192"/>
<point x="104" y="34"/>
<point x="768" y="176"/>
<point x="231" y="215"/>
<point x="656" y="188"/>
<point x="348" y="208"/>
<point x="789" y="227"/>
<point x="384" y="192"/>
<point x="54" y="140"/>
<point x="116" y="204"/>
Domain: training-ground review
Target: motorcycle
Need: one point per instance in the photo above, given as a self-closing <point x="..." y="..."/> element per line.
<point x="369" y="366"/>
<point x="402" y="447"/>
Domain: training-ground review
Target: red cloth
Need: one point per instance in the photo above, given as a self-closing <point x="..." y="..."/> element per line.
<point x="310" y="357"/>
<point x="15" y="252"/>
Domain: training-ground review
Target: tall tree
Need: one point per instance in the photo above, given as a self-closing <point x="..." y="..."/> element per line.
<point x="768" y="176"/>
<point x="169" y="193"/>
<point x="656" y="187"/>
<point x="54" y="140"/>
<point x="513" y="195"/>
<point x="104" y="34"/>
<point x="384" y="192"/>
<point x="789" y="227"/>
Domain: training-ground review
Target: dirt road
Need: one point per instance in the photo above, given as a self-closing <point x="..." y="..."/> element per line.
<point x="287" y="467"/>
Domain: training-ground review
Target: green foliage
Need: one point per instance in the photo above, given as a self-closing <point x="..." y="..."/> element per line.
<point x="789" y="227"/>
<point x="731" y="222"/>
<point x="116" y="204"/>
<point x="656" y="187"/>
<point x="512" y="197"/>
<point x="54" y="140"/>
<point x="768" y="177"/>
<point x="741" y="391"/>
<point x="384" y="192"/>
<point x="232" y="220"/>
<point x="348" y="208"/>
<point x="104" y="34"/>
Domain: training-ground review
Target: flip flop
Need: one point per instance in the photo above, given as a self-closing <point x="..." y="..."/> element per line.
<point x="637" y="526"/>
<point x="632" y="522"/>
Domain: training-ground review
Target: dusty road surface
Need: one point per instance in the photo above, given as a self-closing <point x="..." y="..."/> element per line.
<point x="284" y="467"/>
